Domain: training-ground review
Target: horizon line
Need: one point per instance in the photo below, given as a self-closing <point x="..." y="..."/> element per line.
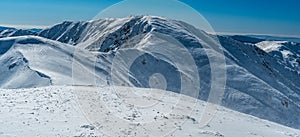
<point x="258" y="34"/>
<point x="22" y="26"/>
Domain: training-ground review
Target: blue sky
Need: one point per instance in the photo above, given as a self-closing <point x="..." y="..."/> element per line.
<point x="234" y="16"/>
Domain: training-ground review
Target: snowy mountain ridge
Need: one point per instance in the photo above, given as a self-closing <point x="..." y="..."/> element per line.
<point x="256" y="84"/>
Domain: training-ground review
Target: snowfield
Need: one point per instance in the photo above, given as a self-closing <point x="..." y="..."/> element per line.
<point x="68" y="111"/>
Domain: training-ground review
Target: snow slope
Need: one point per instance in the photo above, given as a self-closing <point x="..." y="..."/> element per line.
<point x="15" y="69"/>
<point x="31" y="61"/>
<point x="65" y="111"/>
<point x="256" y="82"/>
<point x="286" y="52"/>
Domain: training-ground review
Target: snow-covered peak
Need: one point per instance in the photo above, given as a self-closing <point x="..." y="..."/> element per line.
<point x="269" y="46"/>
<point x="110" y="33"/>
<point x="286" y="52"/>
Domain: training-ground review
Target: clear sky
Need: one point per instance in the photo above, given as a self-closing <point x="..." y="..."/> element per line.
<point x="234" y="16"/>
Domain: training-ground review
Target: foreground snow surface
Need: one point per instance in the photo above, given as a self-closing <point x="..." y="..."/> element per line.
<point x="121" y="111"/>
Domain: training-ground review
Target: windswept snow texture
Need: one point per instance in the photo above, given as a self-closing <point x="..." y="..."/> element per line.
<point x="258" y="82"/>
<point x="55" y="112"/>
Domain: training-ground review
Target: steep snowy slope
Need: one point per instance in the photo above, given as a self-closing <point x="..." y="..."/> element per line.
<point x="30" y="61"/>
<point x="55" y="111"/>
<point x="286" y="52"/>
<point x="271" y="84"/>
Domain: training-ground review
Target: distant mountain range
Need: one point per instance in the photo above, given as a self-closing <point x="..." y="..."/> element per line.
<point x="258" y="38"/>
<point x="10" y="32"/>
<point x="5" y="28"/>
